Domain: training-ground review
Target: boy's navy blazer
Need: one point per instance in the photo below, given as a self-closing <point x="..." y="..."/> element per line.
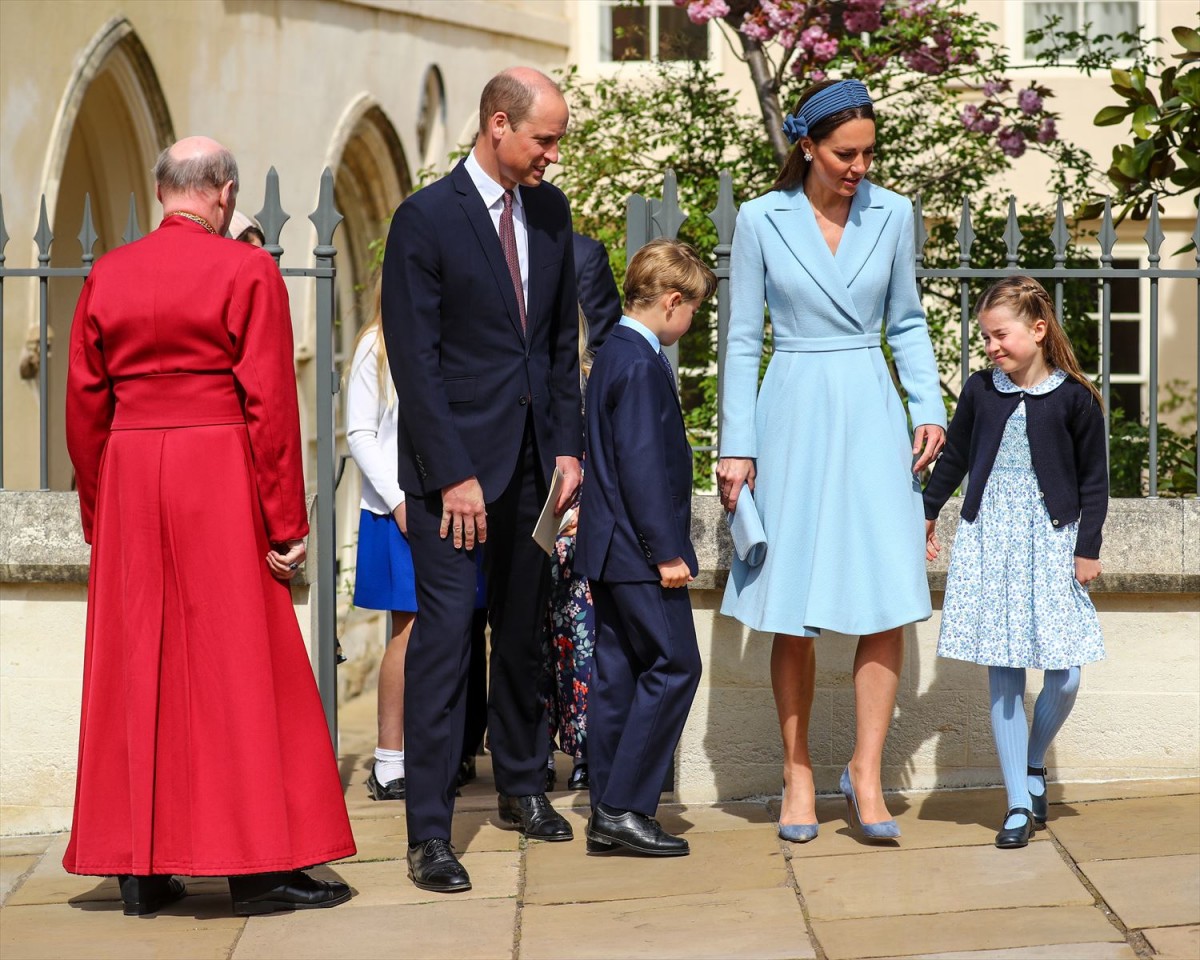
<point x="466" y="378"/>
<point x="636" y="507"/>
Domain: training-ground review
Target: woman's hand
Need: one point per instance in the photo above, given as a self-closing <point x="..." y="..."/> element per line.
<point x="401" y="516"/>
<point x="1087" y="570"/>
<point x="931" y="439"/>
<point x="732" y="472"/>
<point x="284" y="563"/>
<point x="932" y="546"/>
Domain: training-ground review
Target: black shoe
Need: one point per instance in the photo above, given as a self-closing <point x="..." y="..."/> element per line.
<point x="392" y="790"/>
<point x="534" y="817"/>
<point x="466" y="770"/>
<point x="432" y="865"/>
<point x="149" y="894"/>
<point x="258" y="893"/>
<point x="1013" y="837"/>
<point x="1041" y="805"/>
<point x="579" y="778"/>
<point x="634" y="831"/>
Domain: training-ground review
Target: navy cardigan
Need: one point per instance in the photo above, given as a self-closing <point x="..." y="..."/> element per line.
<point x="1066" y="442"/>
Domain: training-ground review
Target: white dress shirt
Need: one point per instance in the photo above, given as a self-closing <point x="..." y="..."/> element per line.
<point x="372" y="418"/>
<point x="493" y="198"/>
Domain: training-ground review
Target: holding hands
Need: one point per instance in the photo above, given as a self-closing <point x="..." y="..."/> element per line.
<point x="928" y="441"/>
<point x="932" y="545"/>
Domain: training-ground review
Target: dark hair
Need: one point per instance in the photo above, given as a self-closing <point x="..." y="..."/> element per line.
<point x="795" y="167"/>
<point x="513" y="95"/>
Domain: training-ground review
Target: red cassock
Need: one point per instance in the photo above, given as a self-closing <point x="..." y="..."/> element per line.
<point x="203" y="748"/>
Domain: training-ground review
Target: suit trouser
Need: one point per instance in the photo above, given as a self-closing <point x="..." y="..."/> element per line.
<point x="437" y="663"/>
<point x="644" y="677"/>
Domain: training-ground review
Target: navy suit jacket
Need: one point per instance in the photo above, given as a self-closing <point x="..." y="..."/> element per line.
<point x="599" y="298"/>
<point x="636" y="507"/>
<point x="466" y="378"/>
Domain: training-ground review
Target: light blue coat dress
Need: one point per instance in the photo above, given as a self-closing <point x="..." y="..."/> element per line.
<point x="840" y="506"/>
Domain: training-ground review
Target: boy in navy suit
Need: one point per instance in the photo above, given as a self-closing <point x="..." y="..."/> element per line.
<point x="634" y="547"/>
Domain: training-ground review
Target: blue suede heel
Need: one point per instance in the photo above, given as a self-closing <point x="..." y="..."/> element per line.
<point x="795" y="832"/>
<point x="884" y="830"/>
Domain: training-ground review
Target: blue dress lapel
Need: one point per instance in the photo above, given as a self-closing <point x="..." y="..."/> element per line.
<point x="793" y="217"/>
<point x="868" y="216"/>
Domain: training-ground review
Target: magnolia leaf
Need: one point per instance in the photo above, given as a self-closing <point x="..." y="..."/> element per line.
<point x="1189" y="157"/>
<point x="1121" y="78"/>
<point x="1142" y="116"/>
<point x="1111" y="115"/>
<point x="1188" y="38"/>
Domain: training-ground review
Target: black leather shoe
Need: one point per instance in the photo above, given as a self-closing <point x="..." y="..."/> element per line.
<point x="1041" y="805"/>
<point x="258" y="893"/>
<point x="1012" y="837"/>
<point x="392" y="790"/>
<point x="635" y="831"/>
<point x="466" y="770"/>
<point x="432" y="865"/>
<point x="534" y="817"/>
<point x="149" y="894"/>
<point x="579" y="778"/>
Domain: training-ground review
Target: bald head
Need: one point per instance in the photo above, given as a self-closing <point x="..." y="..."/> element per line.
<point x="514" y="92"/>
<point x="195" y="165"/>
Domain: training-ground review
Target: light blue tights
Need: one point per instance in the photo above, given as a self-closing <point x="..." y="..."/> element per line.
<point x="1018" y="746"/>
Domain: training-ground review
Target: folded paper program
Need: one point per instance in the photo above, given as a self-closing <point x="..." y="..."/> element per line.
<point x="746" y="529"/>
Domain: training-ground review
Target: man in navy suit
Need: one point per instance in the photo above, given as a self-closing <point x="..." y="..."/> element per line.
<point x="635" y="549"/>
<point x="599" y="298"/>
<point x="481" y="325"/>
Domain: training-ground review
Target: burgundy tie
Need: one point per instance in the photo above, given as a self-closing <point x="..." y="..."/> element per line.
<point x="508" y="241"/>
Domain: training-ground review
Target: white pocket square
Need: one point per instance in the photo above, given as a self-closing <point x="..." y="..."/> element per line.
<point x="746" y="529"/>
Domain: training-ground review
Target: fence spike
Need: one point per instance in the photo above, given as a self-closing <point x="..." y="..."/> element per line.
<point x="133" y="230"/>
<point x="1012" y="233"/>
<point x="326" y="217"/>
<point x="965" y="235"/>
<point x="87" y="232"/>
<point x="724" y="215"/>
<point x="1060" y="236"/>
<point x="272" y="217"/>
<point x="1195" y="238"/>
<point x="667" y="215"/>
<point x="1107" y="237"/>
<point x="637" y="218"/>
<point x="43" y="237"/>
<point x="920" y="234"/>
<point x="1154" y="236"/>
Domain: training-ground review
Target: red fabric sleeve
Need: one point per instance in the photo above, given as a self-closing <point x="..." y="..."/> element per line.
<point x="89" y="408"/>
<point x="260" y="325"/>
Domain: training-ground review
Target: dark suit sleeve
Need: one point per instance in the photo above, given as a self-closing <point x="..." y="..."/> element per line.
<point x="1091" y="466"/>
<point x="566" y="404"/>
<point x="952" y="464"/>
<point x="640" y="454"/>
<point x="412" y="331"/>
<point x="598" y="295"/>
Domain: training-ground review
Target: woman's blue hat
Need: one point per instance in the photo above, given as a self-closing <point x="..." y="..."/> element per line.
<point x="833" y="99"/>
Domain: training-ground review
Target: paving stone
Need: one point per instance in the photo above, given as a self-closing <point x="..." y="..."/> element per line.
<point x="386" y="881"/>
<point x="1121" y="789"/>
<point x="1113" y="829"/>
<point x="102" y="931"/>
<point x="386" y="838"/>
<point x="922" y="935"/>
<point x="33" y="844"/>
<point x="11" y="870"/>
<point x="1176" y="943"/>
<point x="762" y="924"/>
<point x="1149" y="892"/>
<point x="1054" y="951"/>
<point x="451" y="928"/>
<point x="720" y="862"/>
<point x="951" y="879"/>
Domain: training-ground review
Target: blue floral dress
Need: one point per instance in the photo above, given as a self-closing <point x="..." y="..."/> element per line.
<point x="572" y="642"/>
<point x="1012" y="599"/>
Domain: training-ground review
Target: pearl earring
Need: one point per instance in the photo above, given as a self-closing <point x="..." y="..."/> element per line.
<point x="808" y="156"/>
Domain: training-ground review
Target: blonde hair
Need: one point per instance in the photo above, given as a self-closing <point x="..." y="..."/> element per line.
<point x="585" y="352"/>
<point x="667" y="266"/>
<point x="374" y="327"/>
<point x="1028" y="299"/>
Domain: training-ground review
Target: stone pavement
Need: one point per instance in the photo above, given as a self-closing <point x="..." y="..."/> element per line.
<point x="1116" y="875"/>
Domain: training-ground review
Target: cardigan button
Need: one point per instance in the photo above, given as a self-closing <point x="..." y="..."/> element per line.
<point x="1055" y="522"/>
<point x="1041" y="496"/>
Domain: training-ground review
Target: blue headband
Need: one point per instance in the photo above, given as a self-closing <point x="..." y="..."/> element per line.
<point x="833" y="99"/>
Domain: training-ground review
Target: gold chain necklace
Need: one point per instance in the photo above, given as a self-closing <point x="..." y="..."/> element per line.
<point x="195" y="218"/>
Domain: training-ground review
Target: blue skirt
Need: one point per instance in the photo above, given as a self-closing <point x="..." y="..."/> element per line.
<point x="383" y="578"/>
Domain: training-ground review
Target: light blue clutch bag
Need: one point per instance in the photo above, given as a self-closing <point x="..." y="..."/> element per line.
<point x="746" y="529"/>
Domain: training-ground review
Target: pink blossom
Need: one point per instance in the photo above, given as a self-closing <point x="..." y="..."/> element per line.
<point x="862" y="16"/>
<point x="989" y="123"/>
<point x="701" y="11"/>
<point x="786" y="38"/>
<point x="933" y="56"/>
<point x="914" y="9"/>
<point x="755" y="29"/>
<point x="970" y="117"/>
<point x="1012" y="141"/>
<point x="1029" y="101"/>
<point x="819" y="45"/>
<point x="1047" y="131"/>
<point x="781" y="14"/>
<point x="994" y="87"/>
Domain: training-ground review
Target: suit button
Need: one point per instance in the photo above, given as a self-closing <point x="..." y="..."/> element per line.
<point x="524" y="400"/>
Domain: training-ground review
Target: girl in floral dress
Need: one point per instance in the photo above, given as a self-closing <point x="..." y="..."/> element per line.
<point x="1029" y="437"/>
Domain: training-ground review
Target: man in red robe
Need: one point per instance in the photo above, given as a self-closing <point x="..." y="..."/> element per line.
<point x="203" y="749"/>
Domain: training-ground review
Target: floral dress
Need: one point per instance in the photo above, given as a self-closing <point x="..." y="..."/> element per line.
<point x="571" y="644"/>
<point x="1012" y="599"/>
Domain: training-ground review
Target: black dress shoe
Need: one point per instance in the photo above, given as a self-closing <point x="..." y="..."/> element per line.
<point x="258" y="893"/>
<point x="534" y="817"/>
<point x="466" y="770"/>
<point x="432" y="865"/>
<point x="1041" y="805"/>
<point x="1012" y="837"/>
<point x="392" y="790"/>
<point x="634" y="831"/>
<point x="579" y="778"/>
<point x="149" y="894"/>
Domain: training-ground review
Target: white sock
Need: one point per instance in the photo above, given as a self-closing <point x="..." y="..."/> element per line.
<point x="389" y="765"/>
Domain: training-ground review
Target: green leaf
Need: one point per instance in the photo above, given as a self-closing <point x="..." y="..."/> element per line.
<point x="1190" y="158"/>
<point x="1111" y="115"/>
<point x="1188" y="38"/>
<point x="1142" y="116"/>
<point x="1121" y="78"/>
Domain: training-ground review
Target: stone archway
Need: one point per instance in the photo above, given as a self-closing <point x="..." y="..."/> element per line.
<point x="112" y="122"/>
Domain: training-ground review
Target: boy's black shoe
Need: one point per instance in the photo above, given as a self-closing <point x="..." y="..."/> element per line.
<point x="634" y="831"/>
<point x="392" y="790"/>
